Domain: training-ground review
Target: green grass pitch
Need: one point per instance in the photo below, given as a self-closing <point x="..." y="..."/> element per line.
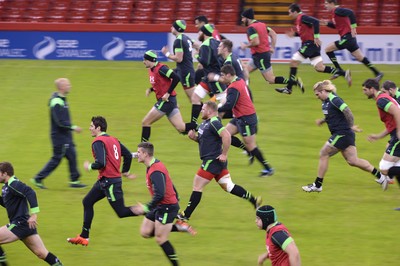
<point x="352" y="222"/>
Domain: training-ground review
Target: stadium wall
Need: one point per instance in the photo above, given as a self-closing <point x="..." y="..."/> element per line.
<point x="52" y="41"/>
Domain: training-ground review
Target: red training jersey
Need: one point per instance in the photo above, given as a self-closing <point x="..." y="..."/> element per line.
<point x="216" y="35"/>
<point x="264" y="45"/>
<point x="387" y="118"/>
<point x="159" y="82"/>
<point x="113" y="157"/>
<point x="342" y="24"/>
<point x="244" y="104"/>
<point x="170" y="194"/>
<point x="277" y="256"/>
<point x="305" y="32"/>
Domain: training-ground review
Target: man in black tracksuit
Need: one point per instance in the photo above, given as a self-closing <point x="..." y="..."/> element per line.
<point x="61" y="136"/>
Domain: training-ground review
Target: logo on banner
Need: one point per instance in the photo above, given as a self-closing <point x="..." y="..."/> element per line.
<point x="113" y="48"/>
<point x="44" y="48"/>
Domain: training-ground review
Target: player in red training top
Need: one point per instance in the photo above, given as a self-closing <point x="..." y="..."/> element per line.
<point x="281" y="248"/>
<point x="244" y="115"/>
<point x="307" y="28"/>
<point x="107" y="152"/>
<point x="163" y="208"/>
<point x="344" y="20"/>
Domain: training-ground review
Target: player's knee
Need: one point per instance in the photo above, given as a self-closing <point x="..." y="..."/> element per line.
<point x="41" y="254"/>
<point x="226" y="183"/>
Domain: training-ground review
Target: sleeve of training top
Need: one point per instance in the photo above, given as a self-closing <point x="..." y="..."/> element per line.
<point x="60" y="116"/>
<point x="339" y="103"/>
<point x="127" y="158"/>
<point x="308" y="20"/>
<point x="100" y="155"/>
<point x="281" y="239"/>
<point x="384" y="104"/>
<point x="205" y="55"/>
<point x="158" y="181"/>
<point x="231" y="100"/>
<point x="331" y="25"/>
<point x="19" y="189"/>
<point x="345" y="12"/>
<point x="217" y="126"/>
<point x="1" y="201"/>
<point x="252" y="32"/>
<point x="170" y="74"/>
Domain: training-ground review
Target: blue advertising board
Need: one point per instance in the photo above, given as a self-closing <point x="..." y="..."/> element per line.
<point x="80" y="45"/>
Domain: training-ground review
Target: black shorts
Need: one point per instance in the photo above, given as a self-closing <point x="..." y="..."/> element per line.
<point x="262" y="60"/>
<point x="212" y="87"/>
<point x="111" y="187"/>
<point x="347" y="42"/>
<point x="166" y="107"/>
<point x="246" y="125"/>
<point x="309" y="50"/>
<point x="342" y="141"/>
<point x="164" y="213"/>
<point x="186" y="76"/>
<point x="394" y="145"/>
<point x="21" y="229"/>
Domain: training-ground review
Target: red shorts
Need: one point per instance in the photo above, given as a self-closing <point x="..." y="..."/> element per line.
<point x="209" y="176"/>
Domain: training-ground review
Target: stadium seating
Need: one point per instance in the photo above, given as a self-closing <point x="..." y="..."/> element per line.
<point x="368" y="12"/>
<point x="117" y="11"/>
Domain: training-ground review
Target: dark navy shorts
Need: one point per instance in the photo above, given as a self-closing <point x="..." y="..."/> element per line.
<point x="166" y="107"/>
<point x="347" y="42"/>
<point x="309" y="50"/>
<point x="262" y="61"/>
<point x="164" y="213"/>
<point x="342" y="141"/>
<point x="394" y="145"/>
<point x="21" y="229"/>
<point x="246" y="125"/>
<point x="186" y="77"/>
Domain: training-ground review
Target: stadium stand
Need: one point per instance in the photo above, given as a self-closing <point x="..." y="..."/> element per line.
<point x="274" y="13"/>
<point x="118" y="11"/>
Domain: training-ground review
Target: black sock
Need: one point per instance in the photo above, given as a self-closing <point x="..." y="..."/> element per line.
<point x="170" y="252"/>
<point x="257" y="153"/>
<point x="292" y="77"/>
<point x="85" y="232"/>
<point x="190" y="126"/>
<point x="236" y="142"/>
<point x="280" y="80"/>
<point x="333" y="58"/>
<point x="318" y="182"/>
<point x="52" y="259"/>
<point x="393" y="172"/>
<point x="3" y="258"/>
<point x="145" y="134"/>
<point x="332" y="70"/>
<point x="193" y="202"/>
<point x="371" y="66"/>
<point x="242" y="193"/>
<point x="375" y="172"/>
<point x="196" y="109"/>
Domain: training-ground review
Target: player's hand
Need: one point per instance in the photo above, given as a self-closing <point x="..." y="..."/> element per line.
<point x="165" y="97"/>
<point x="210" y="76"/>
<point x="271" y="50"/>
<point x="222" y="158"/>
<point x="86" y="165"/>
<point x="372" y="137"/>
<point x="129" y="176"/>
<point x="319" y="121"/>
<point x="164" y="50"/>
<point x="243" y="46"/>
<point x="137" y="209"/>
<point x="78" y="129"/>
<point x="290" y="33"/>
<point x="148" y="91"/>
<point x="317" y="42"/>
<point x="323" y="22"/>
<point x="355" y="128"/>
<point x="32" y="221"/>
<point x="353" y="32"/>
<point x="192" y="135"/>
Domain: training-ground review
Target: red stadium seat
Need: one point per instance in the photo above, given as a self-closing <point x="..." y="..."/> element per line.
<point x="35" y="15"/>
<point x="60" y="5"/>
<point x="81" y="5"/>
<point x="40" y="5"/>
<point x="102" y="5"/>
<point x="56" y="16"/>
<point x="78" y="16"/>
